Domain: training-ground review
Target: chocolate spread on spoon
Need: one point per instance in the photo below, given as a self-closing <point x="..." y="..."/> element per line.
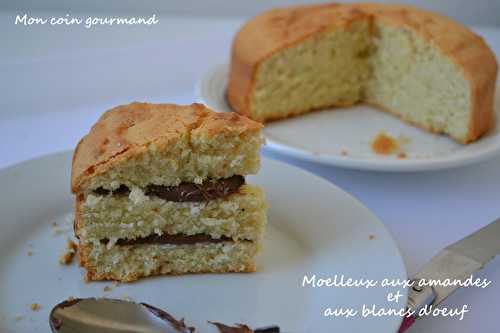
<point x="172" y="324"/>
<point x="241" y="328"/>
<point x="56" y="323"/>
<point x="178" y="325"/>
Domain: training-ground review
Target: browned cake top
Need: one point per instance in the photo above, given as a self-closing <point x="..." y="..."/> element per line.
<point x="128" y="129"/>
<point x="282" y="27"/>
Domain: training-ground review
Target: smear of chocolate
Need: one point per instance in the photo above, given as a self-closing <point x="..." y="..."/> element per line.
<point x="178" y="325"/>
<point x="269" y="329"/>
<point x="187" y="192"/>
<point x="56" y="323"/>
<point x="122" y="190"/>
<point x="241" y="328"/>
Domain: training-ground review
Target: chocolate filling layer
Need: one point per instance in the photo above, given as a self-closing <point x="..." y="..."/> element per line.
<point x="187" y="192"/>
<point x="179" y="239"/>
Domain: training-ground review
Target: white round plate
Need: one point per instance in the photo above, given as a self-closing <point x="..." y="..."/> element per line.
<point x="342" y="137"/>
<point x="314" y="228"/>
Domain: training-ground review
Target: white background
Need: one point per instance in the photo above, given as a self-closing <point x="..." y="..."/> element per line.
<point x="55" y="82"/>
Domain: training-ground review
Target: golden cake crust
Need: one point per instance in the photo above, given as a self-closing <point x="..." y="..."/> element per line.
<point x="280" y="28"/>
<point x="125" y="131"/>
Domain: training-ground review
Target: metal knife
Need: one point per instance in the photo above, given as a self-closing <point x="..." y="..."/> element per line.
<point x="457" y="261"/>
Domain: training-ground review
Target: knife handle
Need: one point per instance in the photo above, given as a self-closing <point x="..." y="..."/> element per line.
<point x="418" y="297"/>
<point x="406" y="324"/>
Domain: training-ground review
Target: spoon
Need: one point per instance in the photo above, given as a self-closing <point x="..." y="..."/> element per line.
<point x="105" y="315"/>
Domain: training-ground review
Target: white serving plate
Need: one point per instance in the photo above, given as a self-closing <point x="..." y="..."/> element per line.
<point x="314" y="228"/>
<point x="342" y="137"/>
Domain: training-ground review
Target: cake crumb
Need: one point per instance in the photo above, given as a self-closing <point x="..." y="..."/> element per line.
<point x="402" y="155"/>
<point x="67" y="257"/>
<point x="55" y="229"/>
<point x="371" y="237"/>
<point x="34" y="307"/>
<point x="125" y="297"/>
<point x="343" y="152"/>
<point x="107" y="289"/>
<point x="30" y="253"/>
<point x="18" y="318"/>
<point x="384" y="144"/>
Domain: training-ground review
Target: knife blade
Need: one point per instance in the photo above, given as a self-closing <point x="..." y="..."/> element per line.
<point x="457" y="262"/>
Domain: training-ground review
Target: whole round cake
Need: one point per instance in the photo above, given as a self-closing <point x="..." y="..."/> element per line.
<point x="423" y="67"/>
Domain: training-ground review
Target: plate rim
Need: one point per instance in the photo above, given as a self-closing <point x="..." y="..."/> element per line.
<point x="348" y="162"/>
<point x="400" y="269"/>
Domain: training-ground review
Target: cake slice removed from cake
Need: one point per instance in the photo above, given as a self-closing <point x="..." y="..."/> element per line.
<point x="160" y="189"/>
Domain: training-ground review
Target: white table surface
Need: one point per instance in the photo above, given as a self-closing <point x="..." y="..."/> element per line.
<point x="55" y="82"/>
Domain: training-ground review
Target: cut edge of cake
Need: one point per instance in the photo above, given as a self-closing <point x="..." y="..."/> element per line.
<point x="279" y="30"/>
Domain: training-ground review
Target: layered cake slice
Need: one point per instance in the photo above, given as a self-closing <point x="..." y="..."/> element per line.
<point x="160" y="189"/>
